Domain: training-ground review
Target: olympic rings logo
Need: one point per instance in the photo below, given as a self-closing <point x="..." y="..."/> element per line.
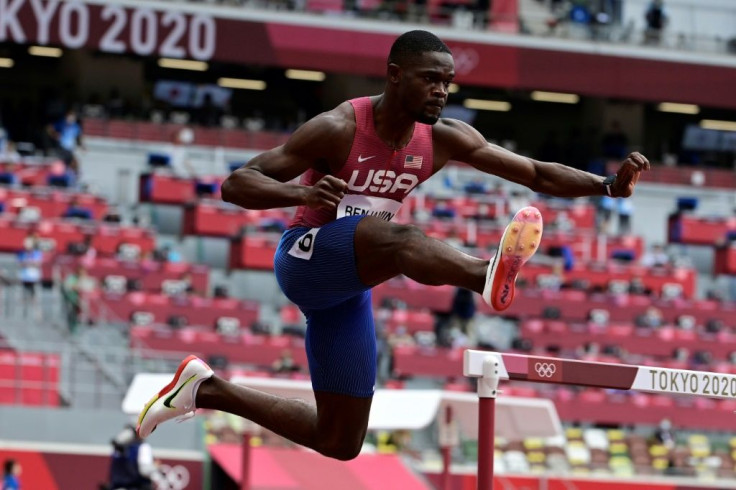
<point x="171" y="477"/>
<point x="545" y="370"/>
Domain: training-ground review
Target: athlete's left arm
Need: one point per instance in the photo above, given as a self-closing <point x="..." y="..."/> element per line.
<point x="460" y="141"/>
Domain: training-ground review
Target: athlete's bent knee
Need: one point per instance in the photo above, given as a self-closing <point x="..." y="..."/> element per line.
<point x="343" y="450"/>
<point x="343" y="446"/>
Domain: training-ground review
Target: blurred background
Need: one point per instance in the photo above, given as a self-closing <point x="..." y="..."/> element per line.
<point x="120" y="119"/>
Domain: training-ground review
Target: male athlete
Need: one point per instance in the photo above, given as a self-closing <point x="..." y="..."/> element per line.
<point x="358" y="162"/>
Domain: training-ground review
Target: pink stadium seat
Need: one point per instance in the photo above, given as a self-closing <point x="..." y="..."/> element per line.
<point x="592" y="396"/>
<point x="662" y="401"/>
<point x="394" y="384"/>
<point x="521" y="391"/>
<point x="121" y="130"/>
<point x="290" y="315"/>
<point x="324" y="5"/>
<point x="457" y="386"/>
<point x="621" y="330"/>
<point x="149" y="131"/>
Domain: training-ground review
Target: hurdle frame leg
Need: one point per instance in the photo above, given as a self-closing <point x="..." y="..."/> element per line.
<point x="246" y="462"/>
<point x="487" y="393"/>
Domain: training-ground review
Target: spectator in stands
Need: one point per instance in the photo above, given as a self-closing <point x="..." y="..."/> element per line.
<point x="681" y="354"/>
<point x="180" y="164"/>
<point x="656" y="20"/>
<point x="401" y="338"/>
<point x="637" y="286"/>
<point x="4" y="140"/>
<point x="604" y="213"/>
<point x="652" y="318"/>
<point x="476" y="186"/>
<point x="188" y="280"/>
<point x="459" y="339"/>
<point x="30" y="260"/>
<point x="285" y="364"/>
<point x="7" y="174"/>
<point x="396" y="441"/>
<point x="492" y="332"/>
<point x="664" y="434"/>
<point x="67" y="136"/>
<point x="167" y="253"/>
<point x="8" y="150"/>
<point x="113" y="215"/>
<point x="84" y="250"/>
<point x="132" y="466"/>
<point x="625" y="208"/>
<point x="656" y="256"/>
<point x="383" y="353"/>
<point x="518" y="199"/>
<point x="11" y="475"/>
<point x="75" y="210"/>
<point x="565" y="257"/>
<point x="75" y="291"/>
<point x="463" y="311"/>
<point x="443" y="210"/>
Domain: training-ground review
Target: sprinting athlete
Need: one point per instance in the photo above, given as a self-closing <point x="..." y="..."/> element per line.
<point x="357" y="163"/>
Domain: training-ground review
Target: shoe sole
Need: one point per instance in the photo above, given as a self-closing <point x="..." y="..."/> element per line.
<point x="164" y="391"/>
<point x="518" y="244"/>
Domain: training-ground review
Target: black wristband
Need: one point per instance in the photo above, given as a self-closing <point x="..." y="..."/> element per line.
<point x="608" y="183"/>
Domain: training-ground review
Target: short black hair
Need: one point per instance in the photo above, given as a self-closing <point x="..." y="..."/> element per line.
<point x="412" y="44"/>
<point x="8" y="466"/>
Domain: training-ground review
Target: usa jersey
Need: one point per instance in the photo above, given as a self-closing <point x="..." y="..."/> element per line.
<point x="379" y="177"/>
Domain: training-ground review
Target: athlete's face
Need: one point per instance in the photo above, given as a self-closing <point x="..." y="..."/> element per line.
<point x="423" y="86"/>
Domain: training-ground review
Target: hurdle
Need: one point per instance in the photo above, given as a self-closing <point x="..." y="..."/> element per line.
<point x="492" y="367"/>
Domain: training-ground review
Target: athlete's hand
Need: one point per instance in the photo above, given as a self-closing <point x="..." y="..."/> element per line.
<point x="628" y="174"/>
<point x="326" y="193"/>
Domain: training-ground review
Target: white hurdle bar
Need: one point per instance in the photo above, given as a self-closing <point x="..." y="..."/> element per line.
<point x="491" y="367"/>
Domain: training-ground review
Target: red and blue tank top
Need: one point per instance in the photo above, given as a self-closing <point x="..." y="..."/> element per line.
<point x="379" y="177"/>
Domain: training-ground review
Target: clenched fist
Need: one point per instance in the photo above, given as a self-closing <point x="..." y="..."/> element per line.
<point x="628" y="175"/>
<point x="326" y="193"/>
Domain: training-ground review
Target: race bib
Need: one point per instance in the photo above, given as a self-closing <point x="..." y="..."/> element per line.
<point x="303" y="248"/>
<point x="356" y="205"/>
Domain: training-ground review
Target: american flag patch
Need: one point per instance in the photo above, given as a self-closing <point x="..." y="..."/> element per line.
<point x="413" y="161"/>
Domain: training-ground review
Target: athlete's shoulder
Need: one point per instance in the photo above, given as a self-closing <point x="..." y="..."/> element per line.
<point x="449" y="127"/>
<point x="454" y="132"/>
<point x="336" y="123"/>
<point x="328" y="127"/>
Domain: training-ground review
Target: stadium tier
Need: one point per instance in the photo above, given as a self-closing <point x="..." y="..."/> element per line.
<point x="120" y="123"/>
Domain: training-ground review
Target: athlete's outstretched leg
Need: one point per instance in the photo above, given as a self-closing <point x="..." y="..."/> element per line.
<point x="335" y="427"/>
<point x="384" y="250"/>
<point x="316" y="269"/>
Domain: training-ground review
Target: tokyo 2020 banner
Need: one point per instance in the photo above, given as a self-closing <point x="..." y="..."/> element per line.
<point x="202" y="32"/>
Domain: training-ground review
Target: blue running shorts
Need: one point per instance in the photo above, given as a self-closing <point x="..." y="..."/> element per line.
<point x="316" y="270"/>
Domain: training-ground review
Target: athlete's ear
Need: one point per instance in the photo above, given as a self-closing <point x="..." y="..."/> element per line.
<point x="393" y="72"/>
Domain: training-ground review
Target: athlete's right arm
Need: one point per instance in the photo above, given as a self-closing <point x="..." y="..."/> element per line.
<point x="264" y="182"/>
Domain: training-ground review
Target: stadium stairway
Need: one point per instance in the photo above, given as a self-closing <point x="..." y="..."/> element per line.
<point x="96" y="364"/>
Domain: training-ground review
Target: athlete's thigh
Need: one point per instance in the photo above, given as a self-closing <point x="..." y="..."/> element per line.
<point x="377" y="243"/>
<point x="341" y="350"/>
<point x="341" y="347"/>
<point x="316" y="268"/>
